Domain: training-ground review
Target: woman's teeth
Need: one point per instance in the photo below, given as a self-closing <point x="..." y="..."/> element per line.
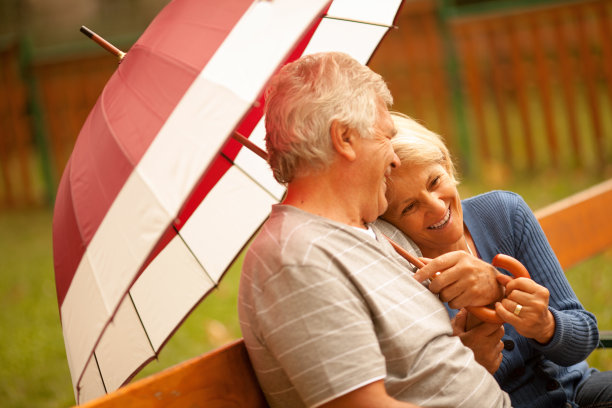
<point x="441" y="223"/>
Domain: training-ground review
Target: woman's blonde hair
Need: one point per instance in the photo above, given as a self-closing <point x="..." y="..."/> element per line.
<point x="415" y="144"/>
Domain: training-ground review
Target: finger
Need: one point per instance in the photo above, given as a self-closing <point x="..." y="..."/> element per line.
<point x="499" y="346"/>
<point x="446" y="286"/>
<point x="498" y="359"/>
<point x="518" y="297"/>
<point x="444" y="279"/>
<point x="522" y="284"/>
<point x="419" y="275"/>
<point x="459" y="322"/>
<point x="504" y="279"/>
<point x="485" y="329"/>
<point x="495" y="364"/>
<point x="432" y="273"/>
<point x="457" y="296"/>
<point x="505" y="314"/>
<point x="424" y="273"/>
<point x="498" y="333"/>
<point x="511" y="306"/>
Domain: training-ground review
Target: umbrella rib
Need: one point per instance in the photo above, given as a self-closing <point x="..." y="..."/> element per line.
<point x="248" y="175"/>
<point x="100" y="372"/>
<point x="359" y="21"/>
<point x="215" y="284"/>
<point x="142" y="324"/>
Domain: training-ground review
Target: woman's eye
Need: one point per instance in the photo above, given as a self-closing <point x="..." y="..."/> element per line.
<point x="408" y="208"/>
<point x="435" y="181"/>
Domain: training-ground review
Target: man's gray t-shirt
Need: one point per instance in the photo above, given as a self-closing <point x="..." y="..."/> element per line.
<point x="326" y="309"/>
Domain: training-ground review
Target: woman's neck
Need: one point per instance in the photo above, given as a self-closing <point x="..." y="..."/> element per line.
<point x="464" y="243"/>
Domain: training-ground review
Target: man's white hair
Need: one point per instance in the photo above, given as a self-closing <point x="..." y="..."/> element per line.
<point x="303" y="100"/>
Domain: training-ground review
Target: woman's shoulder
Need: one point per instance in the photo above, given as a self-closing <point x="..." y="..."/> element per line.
<point x="497" y="207"/>
<point x="496" y="199"/>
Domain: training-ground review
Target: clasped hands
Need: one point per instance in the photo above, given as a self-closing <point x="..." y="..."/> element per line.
<point x="462" y="280"/>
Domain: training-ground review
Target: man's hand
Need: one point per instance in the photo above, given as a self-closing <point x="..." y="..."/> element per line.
<point x="484" y="340"/>
<point x="462" y="279"/>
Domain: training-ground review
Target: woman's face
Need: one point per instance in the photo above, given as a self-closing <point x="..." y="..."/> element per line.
<point x="424" y="203"/>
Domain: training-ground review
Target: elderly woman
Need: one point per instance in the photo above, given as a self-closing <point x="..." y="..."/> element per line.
<point x="547" y="334"/>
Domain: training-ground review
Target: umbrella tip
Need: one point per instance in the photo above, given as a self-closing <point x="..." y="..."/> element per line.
<point x="103" y="43"/>
<point x="86" y="31"/>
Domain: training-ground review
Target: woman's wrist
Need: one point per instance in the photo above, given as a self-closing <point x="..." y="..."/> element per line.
<point x="548" y="329"/>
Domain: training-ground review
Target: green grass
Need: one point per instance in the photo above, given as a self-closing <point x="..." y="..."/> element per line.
<point x="33" y="367"/>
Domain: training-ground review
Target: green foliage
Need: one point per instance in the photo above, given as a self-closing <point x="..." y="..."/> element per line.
<point x="33" y="367"/>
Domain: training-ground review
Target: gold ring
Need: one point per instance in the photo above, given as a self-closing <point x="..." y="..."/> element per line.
<point x="517" y="310"/>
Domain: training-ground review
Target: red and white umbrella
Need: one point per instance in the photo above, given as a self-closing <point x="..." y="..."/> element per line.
<point x="157" y="199"/>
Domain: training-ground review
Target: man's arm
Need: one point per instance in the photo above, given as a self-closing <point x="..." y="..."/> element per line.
<point x="371" y="395"/>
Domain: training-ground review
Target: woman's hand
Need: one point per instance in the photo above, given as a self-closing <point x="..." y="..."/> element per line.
<point x="532" y="319"/>
<point x="484" y="340"/>
<point x="461" y="279"/>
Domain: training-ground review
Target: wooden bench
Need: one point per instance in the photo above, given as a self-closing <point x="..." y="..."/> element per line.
<point x="222" y="378"/>
<point x="577" y="227"/>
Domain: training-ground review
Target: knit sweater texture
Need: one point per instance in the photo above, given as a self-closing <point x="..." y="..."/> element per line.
<point x="535" y="375"/>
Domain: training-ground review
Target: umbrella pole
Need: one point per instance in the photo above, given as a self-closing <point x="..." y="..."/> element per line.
<point x="103" y="43"/>
<point x="250" y="145"/>
<point x="405" y="254"/>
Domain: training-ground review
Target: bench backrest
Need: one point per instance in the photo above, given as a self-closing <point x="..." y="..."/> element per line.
<point x="221" y="378"/>
<point x="580" y="226"/>
<point x="577" y="227"/>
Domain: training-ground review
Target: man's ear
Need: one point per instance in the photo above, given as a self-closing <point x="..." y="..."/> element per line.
<point x="343" y="140"/>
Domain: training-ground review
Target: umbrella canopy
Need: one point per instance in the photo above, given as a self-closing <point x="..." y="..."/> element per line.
<point x="157" y="200"/>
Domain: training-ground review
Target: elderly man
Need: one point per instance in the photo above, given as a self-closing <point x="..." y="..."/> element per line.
<point x="330" y="314"/>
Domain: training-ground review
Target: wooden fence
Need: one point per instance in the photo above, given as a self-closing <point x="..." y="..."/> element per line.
<point x="539" y="84"/>
<point x="16" y="148"/>
<point x="527" y="89"/>
<point x="68" y="91"/>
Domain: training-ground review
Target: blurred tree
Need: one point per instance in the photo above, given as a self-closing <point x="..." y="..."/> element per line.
<point x="49" y="23"/>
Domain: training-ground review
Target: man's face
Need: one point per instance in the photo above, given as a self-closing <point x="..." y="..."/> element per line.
<point x="376" y="158"/>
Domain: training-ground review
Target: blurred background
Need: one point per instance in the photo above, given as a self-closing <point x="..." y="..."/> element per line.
<point x="521" y="91"/>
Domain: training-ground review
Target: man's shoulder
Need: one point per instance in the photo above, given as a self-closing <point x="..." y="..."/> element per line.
<point x="293" y="236"/>
<point x="391" y="231"/>
<point x="289" y="225"/>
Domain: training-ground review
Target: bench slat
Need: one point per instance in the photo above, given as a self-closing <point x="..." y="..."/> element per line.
<point x="222" y="378"/>
<point x="579" y="226"/>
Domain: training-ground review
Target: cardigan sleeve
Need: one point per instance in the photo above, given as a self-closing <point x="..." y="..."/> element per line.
<point x="576" y="333"/>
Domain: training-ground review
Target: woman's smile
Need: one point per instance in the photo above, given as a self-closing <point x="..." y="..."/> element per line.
<point x="441" y="224"/>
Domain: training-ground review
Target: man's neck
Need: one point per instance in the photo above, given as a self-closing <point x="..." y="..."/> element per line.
<point x="327" y="197"/>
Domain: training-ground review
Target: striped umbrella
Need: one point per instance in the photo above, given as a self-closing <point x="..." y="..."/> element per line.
<point x="157" y="198"/>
